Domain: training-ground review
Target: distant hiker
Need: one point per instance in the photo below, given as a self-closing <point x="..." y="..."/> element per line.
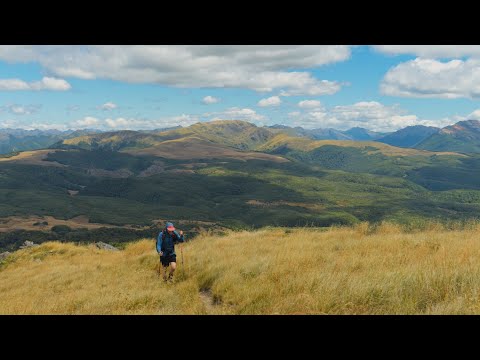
<point x="166" y="248"/>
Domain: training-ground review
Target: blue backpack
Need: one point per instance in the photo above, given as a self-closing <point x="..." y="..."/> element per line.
<point x="164" y="234"/>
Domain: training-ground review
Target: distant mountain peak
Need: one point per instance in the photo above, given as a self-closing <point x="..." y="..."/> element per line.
<point x="359" y="133"/>
<point x="279" y="126"/>
<point x="409" y="136"/>
<point x="463" y="136"/>
<point x="462" y="126"/>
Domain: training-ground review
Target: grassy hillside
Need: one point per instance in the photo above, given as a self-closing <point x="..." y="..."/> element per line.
<point x="192" y="147"/>
<point x="358" y="156"/>
<point x="360" y="270"/>
<point x="235" y="133"/>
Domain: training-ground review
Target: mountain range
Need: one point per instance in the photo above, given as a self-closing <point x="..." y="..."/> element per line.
<point x="463" y="136"/>
<point x="12" y="140"/>
<point x="230" y="174"/>
<point x="355" y="133"/>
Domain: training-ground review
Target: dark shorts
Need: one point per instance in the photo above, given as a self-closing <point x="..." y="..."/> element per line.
<point x="167" y="259"/>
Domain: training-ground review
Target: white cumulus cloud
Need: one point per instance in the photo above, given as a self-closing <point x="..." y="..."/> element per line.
<point x="431" y="51"/>
<point x="271" y="101"/>
<point x="429" y="78"/>
<point x="256" y="67"/>
<point x="47" y="83"/>
<point x="309" y="104"/>
<point x="20" y="109"/>
<point x="43" y="126"/>
<point x="121" y="123"/>
<point x="210" y="100"/>
<point x="474" y="115"/>
<point x="312" y="87"/>
<point x="118" y="123"/>
<point x="108" y="106"/>
<point x="367" y="114"/>
<point x="236" y="113"/>
<point x="86" y="122"/>
<point x="13" y="85"/>
<point x="8" y="124"/>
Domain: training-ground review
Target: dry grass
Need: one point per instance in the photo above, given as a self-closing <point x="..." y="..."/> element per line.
<point x="35" y="157"/>
<point x="359" y="270"/>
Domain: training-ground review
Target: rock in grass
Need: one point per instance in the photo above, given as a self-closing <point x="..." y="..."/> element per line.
<point x="105" y="246"/>
<point x="4" y="255"/>
<point x="28" y="244"/>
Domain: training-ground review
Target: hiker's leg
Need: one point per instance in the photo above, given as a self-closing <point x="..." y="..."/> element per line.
<point x="163" y="266"/>
<point x="173" y="266"/>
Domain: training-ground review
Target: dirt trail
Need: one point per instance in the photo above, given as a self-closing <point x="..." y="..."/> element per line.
<point x="207" y="299"/>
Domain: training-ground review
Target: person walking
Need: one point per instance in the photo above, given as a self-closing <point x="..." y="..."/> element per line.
<point x="166" y="241"/>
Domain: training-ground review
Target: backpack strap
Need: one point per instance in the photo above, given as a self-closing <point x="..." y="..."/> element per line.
<point x="163" y="238"/>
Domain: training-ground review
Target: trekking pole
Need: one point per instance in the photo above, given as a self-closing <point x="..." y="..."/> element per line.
<point x="181" y="254"/>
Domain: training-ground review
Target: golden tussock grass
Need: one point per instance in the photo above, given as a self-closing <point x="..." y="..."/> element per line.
<point x="34" y="157"/>
<point x="352" y="270"/>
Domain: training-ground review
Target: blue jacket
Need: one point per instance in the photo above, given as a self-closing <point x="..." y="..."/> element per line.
<point x="167" y="243"/>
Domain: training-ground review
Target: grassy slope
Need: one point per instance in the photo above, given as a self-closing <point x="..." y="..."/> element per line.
<point x="235" y="133"/>
<point x="273" y="270"/>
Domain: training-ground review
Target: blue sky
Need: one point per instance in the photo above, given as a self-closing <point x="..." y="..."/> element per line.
<point x="382" y="88"/>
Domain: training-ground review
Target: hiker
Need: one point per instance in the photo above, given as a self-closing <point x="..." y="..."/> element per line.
<point x="166" y="248"/>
